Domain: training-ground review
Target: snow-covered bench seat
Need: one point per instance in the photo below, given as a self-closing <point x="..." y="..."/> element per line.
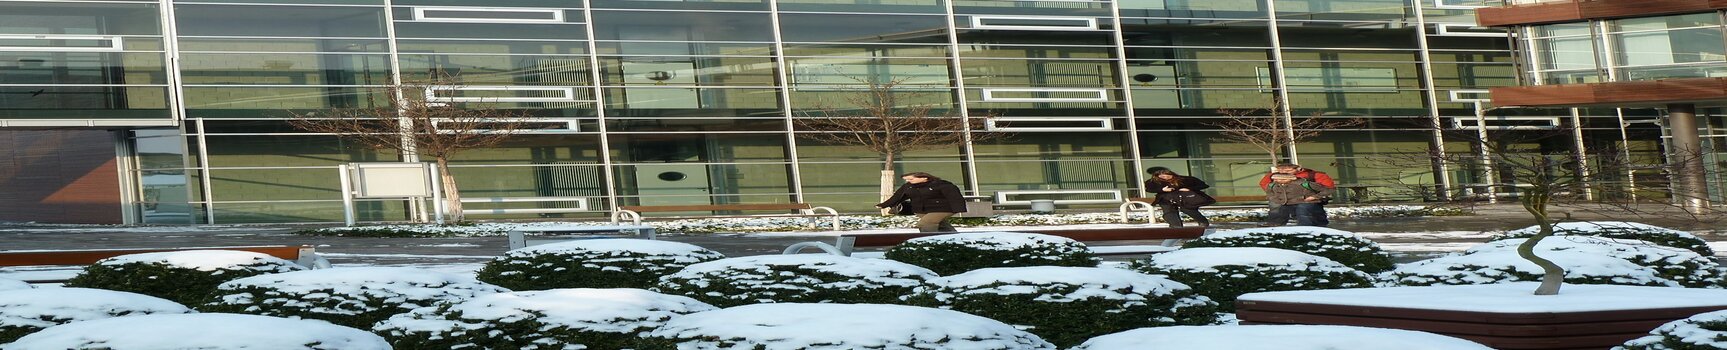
<point x="633" y="213"/>
<point x="303" y="255"/>
<point x="845" y="244"/>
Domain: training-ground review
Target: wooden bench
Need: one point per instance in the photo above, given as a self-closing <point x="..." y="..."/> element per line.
<point x="633" y="213"/>
<point x="519" y="236"/>
<point x="303" y="255"/>
<point x="845" y="244"/>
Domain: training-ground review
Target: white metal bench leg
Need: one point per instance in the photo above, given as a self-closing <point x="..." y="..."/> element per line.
<point x="1150" y="211"/>
<point x="833" y="215"/>
<point x="634" y="217"/>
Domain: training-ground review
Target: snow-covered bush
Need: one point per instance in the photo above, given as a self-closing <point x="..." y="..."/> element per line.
<point x="1067" y="305"/>
<point x="1338" y="245"/>
<point x="595" y="263"/>
<point x="1277" y="337"/>
<point x="799" y="278"/>
<point x="6" y="284"/>
<point x="791" y="326"/>
<point x="1501" y="266"/>
<point x="960" y="252"/>
<point x="1679" y="265"/>
<point x="1704" y="331"/>
<point x="186" y="277"/>
<point x="200" y="331"/>
<point x="1623" y="230"/>
<point x="1226" y="273"/>
<point x="352" y="296"/>
<point x="25" y="311"/>
<point x="544" y="320"/>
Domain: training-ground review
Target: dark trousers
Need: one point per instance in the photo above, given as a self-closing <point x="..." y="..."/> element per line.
<point x="1306" y="214"/>
<point x="1172" y="216"/>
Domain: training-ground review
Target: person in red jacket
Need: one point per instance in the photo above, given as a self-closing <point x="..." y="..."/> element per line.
<point x="1316" y="210"/>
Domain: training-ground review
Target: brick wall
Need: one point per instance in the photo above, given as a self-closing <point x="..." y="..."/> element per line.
<point x="59" y="177"/>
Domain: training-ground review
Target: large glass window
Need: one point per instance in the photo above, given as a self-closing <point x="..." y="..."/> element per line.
<point x="280" y="21"/>
<point x="1684" y="46"/>
<point x="1566" y="53"/>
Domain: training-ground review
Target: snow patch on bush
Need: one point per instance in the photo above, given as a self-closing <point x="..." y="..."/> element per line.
<point x="25" y="311"/>
<point x="792" y="326"/>
<point x="1680" y="265"/>
<point x="960" y="252"/>
<point x="1226" y="273"/>
<point x="1278" y="337"/>
<point x="352" y="296"/>
<point x="1502" y="266"/>
<point x="1623" y="230"/>
<point x="1703" y="331"/>
<point x="10" y="284"/>
<point x="200" y="331"/>
<point x="1066" y="305"/>
<point x="1338" y="245"/>
<point x="799" y="278"/>
<point x="550" y="319"/>
<point x="596" y="263"/>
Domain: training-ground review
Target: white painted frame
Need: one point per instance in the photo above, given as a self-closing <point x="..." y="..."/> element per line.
<point x="1089" y="24"/>
<point x="1444" y="29"/>
<point x="117" y="43"/>
<point x="420" y="14"/>
<point x="569" y="93"/>
<point x="1460" y="123"/>
<point x="1441" y="4"/>
<point x="570" y="125"/>
<point x="1001" y="197"/>
<point x="1104" y="124"/>
<point x="989" y="95"/>
<point x="1457" y="95"/>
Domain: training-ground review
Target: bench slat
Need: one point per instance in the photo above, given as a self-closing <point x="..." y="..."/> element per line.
<point x="86" y="257"/>
<point x="1220" y="199"/>
<point x="1102" y="234"/>
<point x="715" y="207"/>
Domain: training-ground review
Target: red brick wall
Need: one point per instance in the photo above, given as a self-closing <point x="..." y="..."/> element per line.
<point x="59" y="177"/>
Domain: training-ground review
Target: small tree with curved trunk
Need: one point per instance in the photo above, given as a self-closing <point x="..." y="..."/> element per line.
<point x="1263" y="130"/>
<point x="411" y="121"/>
<point x="874" y="119"/>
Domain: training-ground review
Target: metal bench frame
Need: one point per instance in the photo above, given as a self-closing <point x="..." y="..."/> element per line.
<point x="633" y="214"/>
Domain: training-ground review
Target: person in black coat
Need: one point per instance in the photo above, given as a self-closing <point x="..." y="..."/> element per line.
<point x="1175" y="192"/>
<point x="932" y="199"/>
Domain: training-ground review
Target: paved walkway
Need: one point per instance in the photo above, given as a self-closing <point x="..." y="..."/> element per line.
<point x="1419" y="231"/>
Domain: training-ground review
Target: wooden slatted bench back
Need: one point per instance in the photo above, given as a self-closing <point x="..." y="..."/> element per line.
<point x="86" y="257"/>
<point x="1220" y="199"/>
<point x="715" y="207"/>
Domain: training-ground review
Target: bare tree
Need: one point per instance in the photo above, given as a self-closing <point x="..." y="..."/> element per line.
<point x="412" y="121"/>
<point x="874" y="119"/>
<point x="1257" y="127"/>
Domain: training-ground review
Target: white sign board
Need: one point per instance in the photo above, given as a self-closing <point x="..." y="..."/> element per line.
<point x="391" y="180"/>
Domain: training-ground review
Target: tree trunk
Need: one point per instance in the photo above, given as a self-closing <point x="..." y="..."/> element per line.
<point x="1553" y="276"/>
<point x="452" y="196"/>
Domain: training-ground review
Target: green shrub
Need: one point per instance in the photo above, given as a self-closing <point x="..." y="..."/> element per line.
<point x="596" y="319"/>
<point x="1623" y="230"/>
<point x="351" y="296"/>
<point x="838" y="327"/>
<point x="1226" y="273"/>
<point x="1067" y="305"/>
<point x="595" y="263"/>
<point x="1679" y="265"/>
<point x="185" y="277"/>
<point x="1340" y="246"/>
<point x="25" y="311"/>
<point x="960" y="252"/>
<point x="800" y="278"/>
<point x="1501" y="266"/>
<point x="1704" y="331"/>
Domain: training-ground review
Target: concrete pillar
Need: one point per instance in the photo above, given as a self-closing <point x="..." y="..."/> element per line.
<point x="1689" y="185"/>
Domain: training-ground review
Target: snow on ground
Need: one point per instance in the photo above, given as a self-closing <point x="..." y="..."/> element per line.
<point x="201" y="331"/>
<point x="787" y="326"/>
<point x="1515" y="297"/>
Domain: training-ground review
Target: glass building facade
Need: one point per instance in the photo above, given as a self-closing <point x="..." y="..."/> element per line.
<point x="1093" y="92"/>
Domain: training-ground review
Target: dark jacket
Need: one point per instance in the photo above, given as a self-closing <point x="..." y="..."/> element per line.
<point x="928" y="197"/>
<point x="1155" y="188"/>
<point x="1296" y="192"/>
